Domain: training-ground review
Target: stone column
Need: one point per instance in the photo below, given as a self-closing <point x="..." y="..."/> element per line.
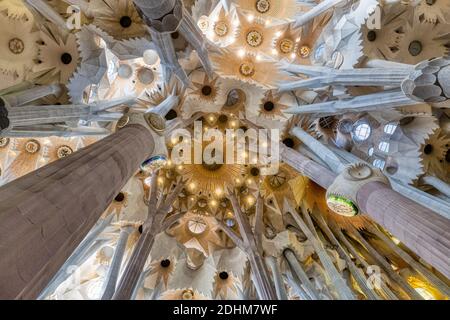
<point x="438" y="184"/>
<point x="277" y="278"/>
<point x="114" y="268"/>
<point x="48" y="12"/>
<point x="47" y="213"/>
<point x="325" y="76"/>
<point x="423" y="231"/>
<point x="25" y="96"/>
<point x="369" y="102"/>
<point x="153" y="225"/>
<point x="316" y="11"/>
<point x="317" y="173"/>
<point x="434" y="203"/>
<point x="250" y="242"/>
<point x="301" y="274"/>
<point x="81" y="253"/>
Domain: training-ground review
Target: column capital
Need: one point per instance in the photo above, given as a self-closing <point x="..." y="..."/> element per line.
<point x="429" y="81"/>
<point x="164" y="18"/>
<point x="155" y="123"/>
<point x="341" y="194"/>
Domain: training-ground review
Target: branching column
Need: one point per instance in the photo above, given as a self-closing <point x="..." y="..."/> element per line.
<point x="251" y="244"/>
<point x="114" y="268"/>
<point x="155" y="223"/>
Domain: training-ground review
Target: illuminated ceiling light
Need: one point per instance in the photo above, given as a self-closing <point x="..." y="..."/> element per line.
<point x="219" y="191"/>
<point x="148" y="180"/>
<point x="230" y="222"/>
<point x="241" y="53"/>
<point x="250" y="18"/>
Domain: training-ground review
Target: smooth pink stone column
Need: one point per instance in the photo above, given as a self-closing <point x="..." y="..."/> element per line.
<point x="45" y="214"/>
<point x="423" y="231"/>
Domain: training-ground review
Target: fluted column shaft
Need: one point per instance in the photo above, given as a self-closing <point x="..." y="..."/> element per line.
<point x="135" y="266"/>
<point x="261" y="277"/>
<point x="317" y="173"/>
<point x="47" y="213"/>
<point x="422" y="230"/>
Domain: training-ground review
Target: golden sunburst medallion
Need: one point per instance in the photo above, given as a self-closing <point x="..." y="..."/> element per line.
<point x="207" y="89"/>
<point x="271" y="107"/>
<point x="434" y="152"/>
<point x="254" y="38"/>
<point x="225" y="282"/>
